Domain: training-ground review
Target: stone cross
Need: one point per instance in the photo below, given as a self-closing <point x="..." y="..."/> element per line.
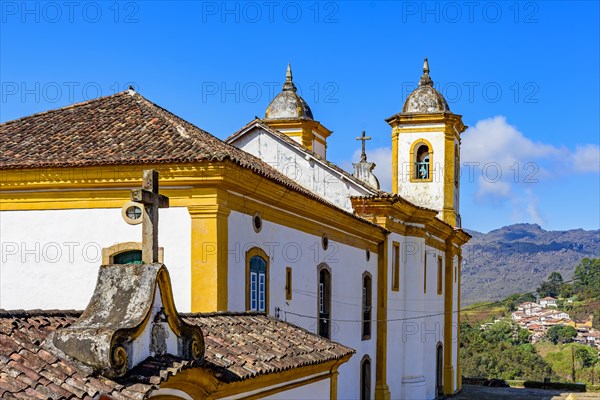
<point x="363" y="138"/>
<point x="148" y="196"/>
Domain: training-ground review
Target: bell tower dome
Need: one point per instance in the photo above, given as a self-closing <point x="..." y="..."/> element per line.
<point x="426" y="151"/>
<point x="289" y="113"/>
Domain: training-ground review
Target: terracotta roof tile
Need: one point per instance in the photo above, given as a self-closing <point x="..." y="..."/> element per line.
<point x="124" y="128"/>
<point x="238" y="346"/>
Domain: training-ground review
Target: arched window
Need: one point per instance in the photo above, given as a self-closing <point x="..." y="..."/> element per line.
<point x="422" y="163"/>
<point x="128" y="257"/>
<point x="421" y="154"/>
<point x="126" y="253"/>
<point x="366" y="306"/>
<point x="257" y="280"/>
<point x="365" y="378"/>
<point x="324" y="300"/>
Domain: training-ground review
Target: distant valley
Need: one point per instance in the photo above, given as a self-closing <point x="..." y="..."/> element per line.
<point x="516" y="258"/>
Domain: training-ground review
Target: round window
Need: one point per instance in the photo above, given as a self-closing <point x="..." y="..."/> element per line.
<point x="324" y="241"/>
<point x="257" y="222"/>
<point x="132" y="213"/>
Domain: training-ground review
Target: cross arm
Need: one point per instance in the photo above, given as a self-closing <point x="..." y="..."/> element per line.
<point x="146" y="197"/>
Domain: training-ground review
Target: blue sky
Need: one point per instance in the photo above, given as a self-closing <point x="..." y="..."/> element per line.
<point x="524" y="75"/>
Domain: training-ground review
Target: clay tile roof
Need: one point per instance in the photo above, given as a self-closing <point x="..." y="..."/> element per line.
<point x="238" y="346"/>
<point x="124" y="128"/>
<point x="250" y="344"/>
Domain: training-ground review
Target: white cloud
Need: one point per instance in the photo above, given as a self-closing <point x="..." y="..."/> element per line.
<point x="587" y="158"/>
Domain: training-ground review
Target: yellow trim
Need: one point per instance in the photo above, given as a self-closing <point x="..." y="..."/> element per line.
<point x="305" y="129"/>
<point x="185" y="185"/>
<point x="382" y="390"/>
<point x="395" y="266"/>
<point x="201" y="383"/>
<point x="209" y="258"/>
<point x="413" y="160"/>
<point x="333" y="384"/>
<point x="109" y="253"/>
<point x="449" y="211"/>
<point x="257" y="251"/>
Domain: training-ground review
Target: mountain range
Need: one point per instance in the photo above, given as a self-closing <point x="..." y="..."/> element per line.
<point x="516" y="258"/>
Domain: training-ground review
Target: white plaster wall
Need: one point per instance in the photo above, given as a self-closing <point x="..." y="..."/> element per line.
<point x="50" y="258"/>
<point x="426" y="194"/>
<point x="309" y="173"/>
<point x="303" y="253"/>
<point x="314" y="391"/>
<point x="412" y="342"/>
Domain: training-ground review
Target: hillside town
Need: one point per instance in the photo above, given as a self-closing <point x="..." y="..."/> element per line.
<point x="538" y="317"/>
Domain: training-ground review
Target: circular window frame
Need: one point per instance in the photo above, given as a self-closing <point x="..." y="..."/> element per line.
<point x="257" y="217"/>
<point x="126" y="207"/>
<point x="325" y="241"/>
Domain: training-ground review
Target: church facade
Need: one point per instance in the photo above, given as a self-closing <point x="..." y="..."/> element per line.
<point x="260" y="222"/>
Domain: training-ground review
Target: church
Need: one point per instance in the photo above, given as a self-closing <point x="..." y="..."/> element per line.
<point x="263" y="235"/>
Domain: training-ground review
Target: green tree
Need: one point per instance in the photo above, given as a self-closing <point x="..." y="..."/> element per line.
<point x="596" y="320"/>
<point x="586" y="279"/>
<point x="566" y="290"/>
<point x="561" y="333"/>
<point x="586" y="355"/>
<point x="552" y="286"/>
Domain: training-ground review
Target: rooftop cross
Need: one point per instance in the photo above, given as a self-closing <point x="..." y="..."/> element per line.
<point x="148" y="196"/>
<point x="363" y="138"/>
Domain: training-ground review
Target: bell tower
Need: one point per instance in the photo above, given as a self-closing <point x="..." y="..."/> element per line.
<point x="426" y="151"/>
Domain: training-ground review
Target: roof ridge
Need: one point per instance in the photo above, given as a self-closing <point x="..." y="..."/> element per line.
<point x="299" y="146"/>
<point x="74" y="105"/>
<point x="38" y="313"/>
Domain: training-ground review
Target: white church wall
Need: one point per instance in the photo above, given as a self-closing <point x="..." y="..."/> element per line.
<point x="423" y="324"/>
<point x="310" y="173"/>
<point x="303" y="253"/>
<point x="426" y="194"/>
<point x="313" y="391"/>
<point x="396" y="335"/>
<point x="50" y="258"/>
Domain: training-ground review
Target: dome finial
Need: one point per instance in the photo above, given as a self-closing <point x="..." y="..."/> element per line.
<point x="425" y="79"/>
<point x="289" y="84"/>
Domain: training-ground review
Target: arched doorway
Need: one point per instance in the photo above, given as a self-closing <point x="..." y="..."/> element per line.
<point x="439" y="370"/>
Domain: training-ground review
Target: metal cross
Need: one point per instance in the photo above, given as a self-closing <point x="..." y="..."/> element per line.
<point x="148" y="196"/>
<point x="363" y="138"/>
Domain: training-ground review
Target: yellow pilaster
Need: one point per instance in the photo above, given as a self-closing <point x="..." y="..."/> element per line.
<point x="382" y="391"/>
<point x="333" y="384"/>
<point x="209" y="251"/>
<point x="448" y="312"/>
